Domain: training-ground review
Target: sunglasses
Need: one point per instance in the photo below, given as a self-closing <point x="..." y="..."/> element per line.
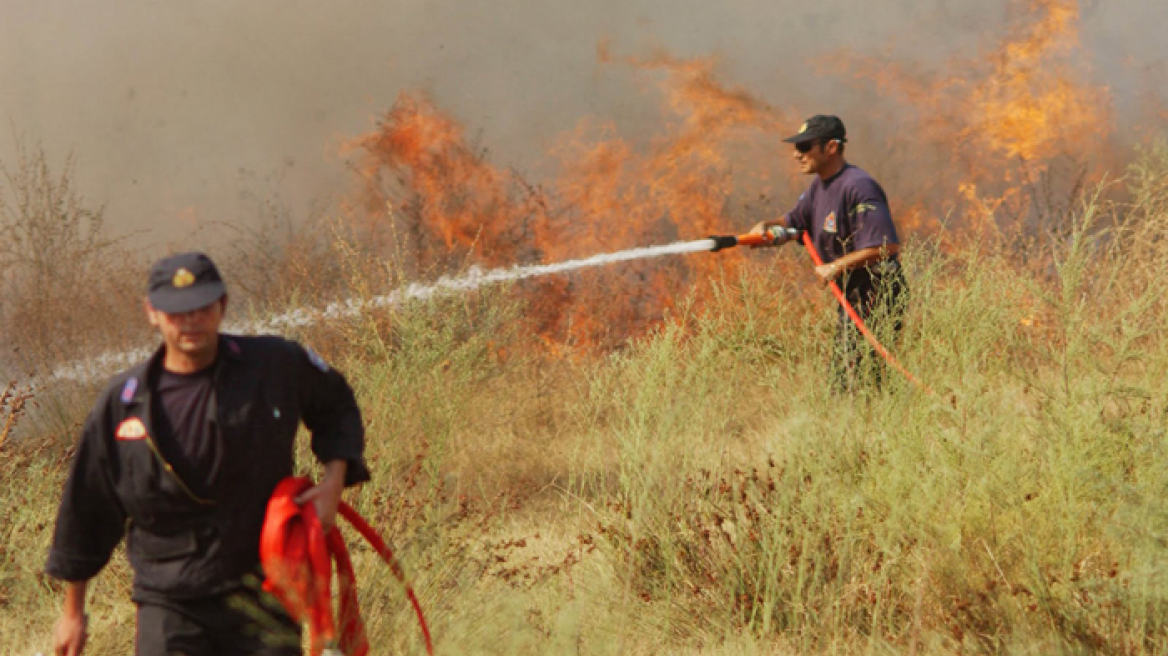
<point x="806" y="146"/>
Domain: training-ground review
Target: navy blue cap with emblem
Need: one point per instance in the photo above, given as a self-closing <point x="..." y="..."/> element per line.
<point x="820" y="127"/>
<point x="184" y="282"/>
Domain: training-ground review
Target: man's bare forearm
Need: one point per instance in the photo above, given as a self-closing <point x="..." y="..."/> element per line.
<point x="70" y="632"/>
<point x="866" y="256"/>
<point x="334" y="472"/>
<point x="75" y="598"/>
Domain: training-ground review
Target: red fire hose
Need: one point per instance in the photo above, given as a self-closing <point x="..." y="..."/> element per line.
<point x="297" y="558"/>
<point x="855" y="316"/>
<point x="765" y="239"/>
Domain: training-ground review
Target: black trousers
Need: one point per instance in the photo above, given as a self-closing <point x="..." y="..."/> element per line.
<point x="243" y="623"/>
<point x="880" y="300"/>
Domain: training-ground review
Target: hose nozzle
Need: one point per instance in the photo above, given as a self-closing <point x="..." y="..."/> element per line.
<point x="774" y="236"/>
<point x="723" y="241"/>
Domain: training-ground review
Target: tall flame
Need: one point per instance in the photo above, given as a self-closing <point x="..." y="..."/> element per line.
<point x="1031" y="106"/>
<point x="996" y="122"/>
<point x="450" y="203"/>
<point x="613" y="195"/>
<point x="993" y="127"/>
<point x="443" y="194"/>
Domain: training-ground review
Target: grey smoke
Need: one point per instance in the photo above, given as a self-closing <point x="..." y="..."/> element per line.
<point x="182" y="113"/>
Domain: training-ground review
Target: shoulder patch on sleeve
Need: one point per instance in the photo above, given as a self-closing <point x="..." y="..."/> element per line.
<point x="129" y="389"/>
<point x="862" y="207"/>
<point x="316" y="360"/>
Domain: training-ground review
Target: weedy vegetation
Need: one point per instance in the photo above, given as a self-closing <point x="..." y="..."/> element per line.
<point x="701" y="490"/>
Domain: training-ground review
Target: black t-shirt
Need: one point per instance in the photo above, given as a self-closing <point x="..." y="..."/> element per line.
<point x="186" y="427"/>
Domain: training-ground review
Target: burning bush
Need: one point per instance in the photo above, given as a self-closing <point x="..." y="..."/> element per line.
<point x="431" y="195"/>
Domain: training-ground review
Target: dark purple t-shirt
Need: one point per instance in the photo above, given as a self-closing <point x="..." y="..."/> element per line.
<point x="845" y="213"/>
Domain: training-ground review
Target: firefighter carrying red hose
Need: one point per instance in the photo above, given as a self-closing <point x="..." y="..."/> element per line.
<point x="183" y="452"/>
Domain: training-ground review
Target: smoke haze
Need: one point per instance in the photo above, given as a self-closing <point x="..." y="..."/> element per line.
<point x="184" y="113"/>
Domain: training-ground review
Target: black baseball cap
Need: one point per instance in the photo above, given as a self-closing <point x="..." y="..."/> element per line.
<point x="820" y="128"/>
<point x="184" y="282"/>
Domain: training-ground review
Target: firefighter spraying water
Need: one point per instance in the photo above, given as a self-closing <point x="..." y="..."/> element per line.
<point x="844" y="221"/>
<point x="779" y="235"/>
<point x="847" y="226"/>
<point x="844" y="214"/>
<point x="475" y="278"/>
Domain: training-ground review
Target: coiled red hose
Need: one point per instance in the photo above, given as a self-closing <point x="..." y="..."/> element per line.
<point x="297" y="558"/>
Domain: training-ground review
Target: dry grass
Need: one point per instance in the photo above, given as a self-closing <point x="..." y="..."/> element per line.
<point x="60" y="272"/>
<point x="701" y="491"/>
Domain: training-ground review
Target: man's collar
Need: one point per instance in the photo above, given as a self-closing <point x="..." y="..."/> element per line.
<point x="830" y="179"/>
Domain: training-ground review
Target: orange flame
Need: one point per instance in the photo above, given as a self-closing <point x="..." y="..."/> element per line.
<point x="1030" y="106"/>
<point x="996" y="125"/>
<point x="998" y="121"/>
<point x="680" y="186"/>
<point x="441" y="189"/>
<point x="450" y="203"/>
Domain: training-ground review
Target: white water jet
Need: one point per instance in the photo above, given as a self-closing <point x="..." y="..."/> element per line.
<point x="84" y="371"/>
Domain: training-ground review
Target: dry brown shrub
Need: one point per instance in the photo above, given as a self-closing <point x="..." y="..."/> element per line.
<point x="66" y="286"/>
